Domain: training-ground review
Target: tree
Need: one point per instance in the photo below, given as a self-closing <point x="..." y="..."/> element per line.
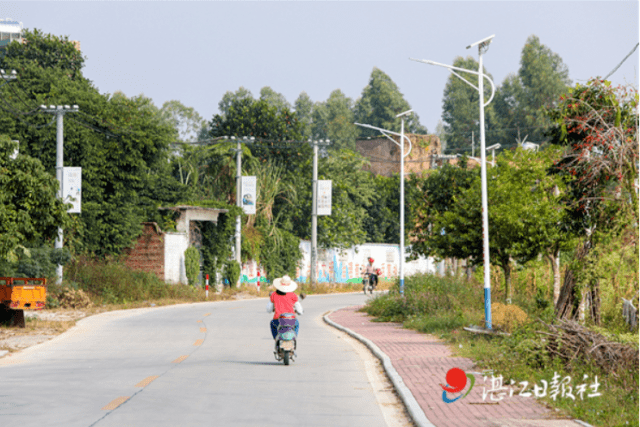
<point x="304" y="109"/>
<point x="523" y="215"/>
<point x="333" y="120"/>
<point x="274" y="99"/>
<point x="523" y="97"/>
<point x="118" y="141"/>
<point x="230" y="97"/>
<point x="185" y="120"/>
<point x="460" y="107"/>
<point x="30" y="212"/>
<point x="597" y="126"/>
<point x="381" y="101"/>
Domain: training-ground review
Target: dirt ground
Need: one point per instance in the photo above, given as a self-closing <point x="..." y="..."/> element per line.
<point x="40" y="326"/>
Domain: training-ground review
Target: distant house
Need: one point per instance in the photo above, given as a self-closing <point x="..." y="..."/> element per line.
<point x="10" y="30"/>
<point x="384" y="155"/>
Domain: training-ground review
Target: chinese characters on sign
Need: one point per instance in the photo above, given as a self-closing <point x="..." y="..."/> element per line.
<point x="72" y="188"/>
<point x="249" y="194"/>
<point x="557" y="387"/>
<point x="324" y="197"/>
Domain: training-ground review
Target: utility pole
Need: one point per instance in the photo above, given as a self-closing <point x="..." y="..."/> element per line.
<point x="238" y="151"/>
<point x="314" y="216"/>
<point x="59" y="111"/>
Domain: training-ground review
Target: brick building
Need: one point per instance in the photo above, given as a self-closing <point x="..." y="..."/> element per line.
<point x="384" y="155"/>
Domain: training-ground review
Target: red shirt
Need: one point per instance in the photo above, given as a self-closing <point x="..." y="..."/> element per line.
<point x="283" y="303"/>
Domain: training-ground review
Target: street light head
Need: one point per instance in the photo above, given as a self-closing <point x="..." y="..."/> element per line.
<point x="13" y="72"/>
<point x="494" y="147"/>
<point x="426" y="61"/>
<point x="484" y="42"/>
<point x="66" y="107"/>
<point x="405" y="113"/>
<point x="1" y="71"/>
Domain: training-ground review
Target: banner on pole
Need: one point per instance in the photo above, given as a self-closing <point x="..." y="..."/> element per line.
<point x="72" y="188"/>
<point x="249" y="194"/>
<point x="324" y="197"/>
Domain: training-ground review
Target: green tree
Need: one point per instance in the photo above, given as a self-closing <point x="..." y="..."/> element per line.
<point x="304" y="109"/>
<point x="119" y="142"/>
<point x="185" y="120"/>
<point x="523" y="215"/>
<point x="596" y="124"/>
<point x="230" y="97"/>
<point x="461" y="109"/>
<point x="30" y="212"/>
<point x="379" y="104"/>
<point x="523" y="98"/>
<point x="333" y="120"/>
<point x="274" y="99"/>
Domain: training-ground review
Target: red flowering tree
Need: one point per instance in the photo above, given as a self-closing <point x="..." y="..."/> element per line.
<point x="598" y="125"/>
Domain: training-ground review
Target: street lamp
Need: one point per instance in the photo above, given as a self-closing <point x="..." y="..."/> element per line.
<point x="483" y="46"/>
<point x="402" y="156"/>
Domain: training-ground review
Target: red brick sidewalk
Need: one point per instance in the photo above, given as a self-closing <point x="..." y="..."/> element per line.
<point x="423" y="361"/>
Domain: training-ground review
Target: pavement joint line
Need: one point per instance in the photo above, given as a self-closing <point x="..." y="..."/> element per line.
<point x="415" y="411"/>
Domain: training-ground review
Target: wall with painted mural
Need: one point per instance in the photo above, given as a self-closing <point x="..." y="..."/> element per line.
<point x="335" y="266"/>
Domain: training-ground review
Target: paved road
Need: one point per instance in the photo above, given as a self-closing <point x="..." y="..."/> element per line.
<point x="190" y="365"/>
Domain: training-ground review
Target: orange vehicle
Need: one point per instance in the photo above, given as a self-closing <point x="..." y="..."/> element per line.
<point x="18" y="294"/>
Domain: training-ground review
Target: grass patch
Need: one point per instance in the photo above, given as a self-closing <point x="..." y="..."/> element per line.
<point x="442" y="306"/>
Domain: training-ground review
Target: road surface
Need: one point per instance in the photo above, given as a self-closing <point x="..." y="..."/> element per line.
<point x="190" y="365"/>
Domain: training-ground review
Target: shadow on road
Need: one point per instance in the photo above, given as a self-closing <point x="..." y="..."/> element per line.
<point x="252" y="363"/>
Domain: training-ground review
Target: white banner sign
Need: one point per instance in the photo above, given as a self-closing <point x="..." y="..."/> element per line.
<point x="249" y="194"/>
<point x="72" y="188"/>
<point x="324" y="197"/>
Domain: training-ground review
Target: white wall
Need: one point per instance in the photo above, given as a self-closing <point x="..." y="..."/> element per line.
<point x="341" y="267"/>
<point x="174" y="246"/>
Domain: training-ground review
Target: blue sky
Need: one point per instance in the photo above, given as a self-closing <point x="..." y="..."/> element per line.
<point x="196" y="51"/>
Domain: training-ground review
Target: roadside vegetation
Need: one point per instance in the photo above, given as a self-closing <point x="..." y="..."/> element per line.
<point x="443" y="306"/>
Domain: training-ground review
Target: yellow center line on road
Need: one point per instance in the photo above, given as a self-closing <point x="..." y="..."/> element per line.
<point x="198" y="342"/>
<point x="199" y="321"/>
<point x="115" y="403"/>
<point x="179" y="359"/>
<point x="208" y="314"/>
<point x="145" y="382"/>
<point x="203" y="329"/>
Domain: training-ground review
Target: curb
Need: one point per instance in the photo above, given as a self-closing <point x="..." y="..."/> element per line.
<point x="414" y="409"/>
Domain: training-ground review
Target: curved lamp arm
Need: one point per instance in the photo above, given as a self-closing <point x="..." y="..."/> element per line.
<point x="385" y="133"/>
<point x="451" y="68"/>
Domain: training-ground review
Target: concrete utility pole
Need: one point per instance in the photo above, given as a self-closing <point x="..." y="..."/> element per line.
<point x="238" y="151"/>
<point x="59" y="111"/>
<point x="314" y="216"/>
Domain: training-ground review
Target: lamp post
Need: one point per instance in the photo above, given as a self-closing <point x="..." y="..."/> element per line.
<point x="483" y="46"/>
<point x="402" y="136"/>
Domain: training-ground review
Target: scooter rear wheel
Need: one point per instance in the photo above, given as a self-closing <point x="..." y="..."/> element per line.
<point x="286" y="357"/>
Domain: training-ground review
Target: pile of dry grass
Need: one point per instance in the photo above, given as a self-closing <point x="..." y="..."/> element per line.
<point x="74" y="298"/>
<point x="507" y="316"/>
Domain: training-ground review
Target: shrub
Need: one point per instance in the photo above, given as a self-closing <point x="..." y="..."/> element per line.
<point x="192" y="264"/>
<point x="232" y="272"/>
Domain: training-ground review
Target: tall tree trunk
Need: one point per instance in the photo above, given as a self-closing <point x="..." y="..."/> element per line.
<point x="506" y="267"/>
<point x="568" y="301"/>
<point x="554" y="260"/>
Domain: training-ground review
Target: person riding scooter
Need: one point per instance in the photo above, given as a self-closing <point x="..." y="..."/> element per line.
<point x="283" y="300"/>
<point x="369" y="270"/>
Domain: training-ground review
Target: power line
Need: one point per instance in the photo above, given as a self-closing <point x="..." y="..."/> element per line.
<point x="621" y="62"/>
